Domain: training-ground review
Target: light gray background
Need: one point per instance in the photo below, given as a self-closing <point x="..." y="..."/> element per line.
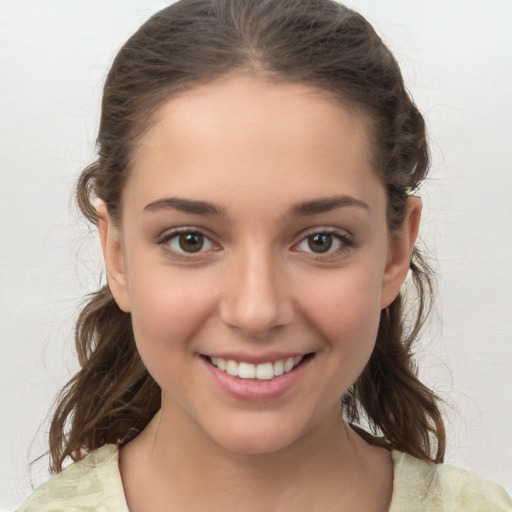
<point x="457" y="59"/>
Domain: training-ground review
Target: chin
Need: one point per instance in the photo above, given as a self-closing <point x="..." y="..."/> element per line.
<point x="257" y="437"/>
<point x="265" y="444"/>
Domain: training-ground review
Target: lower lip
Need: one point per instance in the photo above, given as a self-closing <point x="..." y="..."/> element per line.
<point x="253" y="389"/>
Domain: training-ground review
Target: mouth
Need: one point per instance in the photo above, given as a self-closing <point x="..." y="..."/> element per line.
<point x="264" y="371"/>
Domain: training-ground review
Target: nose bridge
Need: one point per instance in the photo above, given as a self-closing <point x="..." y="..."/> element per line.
<point x="255" y="297"/>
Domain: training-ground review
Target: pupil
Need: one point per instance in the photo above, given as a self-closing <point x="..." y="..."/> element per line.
<point x="191" y="242"/>
<point x="320" y="242"/>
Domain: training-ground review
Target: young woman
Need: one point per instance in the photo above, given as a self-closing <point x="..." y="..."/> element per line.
<point x="254" y="198"/>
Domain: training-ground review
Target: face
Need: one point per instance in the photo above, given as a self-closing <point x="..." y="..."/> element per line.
<point x="254" y="257"/>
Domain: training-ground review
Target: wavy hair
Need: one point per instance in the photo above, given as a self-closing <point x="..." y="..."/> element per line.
<point x="320" y="43"/>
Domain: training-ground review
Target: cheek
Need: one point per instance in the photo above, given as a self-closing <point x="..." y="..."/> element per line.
<point x="346" y="310"/>
<point x="167" y="309"/>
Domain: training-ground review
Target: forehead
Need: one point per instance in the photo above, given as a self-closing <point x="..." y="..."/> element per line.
<point x="248" y="134"/>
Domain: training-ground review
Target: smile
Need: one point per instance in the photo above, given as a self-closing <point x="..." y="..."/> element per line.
<point x="263" y="371"/>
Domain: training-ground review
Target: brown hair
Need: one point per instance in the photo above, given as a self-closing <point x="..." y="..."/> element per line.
<point x="315" y="42"/>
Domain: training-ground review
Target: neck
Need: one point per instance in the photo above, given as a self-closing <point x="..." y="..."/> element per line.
<point x="176" y="459"/>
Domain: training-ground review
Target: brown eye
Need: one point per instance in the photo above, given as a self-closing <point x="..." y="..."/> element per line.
<point x="320" y="242"/>
<point x="191" y="242"/>
<point x="325" y="244"/>
<point x="187" y="243"/>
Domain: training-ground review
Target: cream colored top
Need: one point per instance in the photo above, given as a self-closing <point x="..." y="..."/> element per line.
<point x="94" y="484"/>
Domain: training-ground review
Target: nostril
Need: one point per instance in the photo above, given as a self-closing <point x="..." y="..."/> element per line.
<point x="255" y="320"/>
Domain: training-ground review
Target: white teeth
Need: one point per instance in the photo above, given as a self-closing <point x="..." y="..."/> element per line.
<point x="288" y="365"/>
<point x="246" y="371"/>
<point x="263" y="371"/>
<point x="278" y="368"/>
<point x="232" y="368"/>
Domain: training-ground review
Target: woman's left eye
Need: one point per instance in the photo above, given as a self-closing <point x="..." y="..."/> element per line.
<point x="323" y="243"/>
<point x="187" y="242"/>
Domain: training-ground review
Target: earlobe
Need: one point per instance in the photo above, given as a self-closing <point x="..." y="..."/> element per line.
<point x="401" y="245"/>
<point x="113" y="256"/>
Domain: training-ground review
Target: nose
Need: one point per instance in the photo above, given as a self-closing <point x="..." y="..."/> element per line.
<point x="256" y="299"/>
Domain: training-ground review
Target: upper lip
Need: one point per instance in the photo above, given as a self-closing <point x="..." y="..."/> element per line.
<point x="270" y="357"/>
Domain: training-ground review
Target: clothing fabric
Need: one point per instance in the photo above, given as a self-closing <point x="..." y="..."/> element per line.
<point x="94" y="484"/>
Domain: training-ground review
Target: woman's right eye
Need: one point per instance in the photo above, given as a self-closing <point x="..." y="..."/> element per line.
<point x="187" y="242"/>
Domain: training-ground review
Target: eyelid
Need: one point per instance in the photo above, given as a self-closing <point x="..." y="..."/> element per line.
<point x="343" y="236"/>
<point x="326" y="230"/>
<point x="169" y="234"/>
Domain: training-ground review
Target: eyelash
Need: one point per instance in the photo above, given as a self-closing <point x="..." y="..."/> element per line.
<point x="343" y="240"/>
<point x="173" y="235"/>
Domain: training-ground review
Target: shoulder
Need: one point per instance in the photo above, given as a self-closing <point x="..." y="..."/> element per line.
<point x="441" y="487"/>
<point x="94" y="483"/>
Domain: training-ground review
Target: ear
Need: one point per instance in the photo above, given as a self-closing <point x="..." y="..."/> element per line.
<point x="401" y="244"/>
<point x="114" y="257"/>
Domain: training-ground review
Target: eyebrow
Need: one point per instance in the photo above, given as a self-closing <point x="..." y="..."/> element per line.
<point x="185" y="205"/>
<point x="325" y="204"/>
<point x="312" y="207"/>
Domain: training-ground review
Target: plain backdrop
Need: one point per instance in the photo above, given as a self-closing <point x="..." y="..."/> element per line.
<point x="457" y="59"/>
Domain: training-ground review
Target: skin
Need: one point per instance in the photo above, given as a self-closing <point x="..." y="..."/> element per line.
<point x="255" y="150"/>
